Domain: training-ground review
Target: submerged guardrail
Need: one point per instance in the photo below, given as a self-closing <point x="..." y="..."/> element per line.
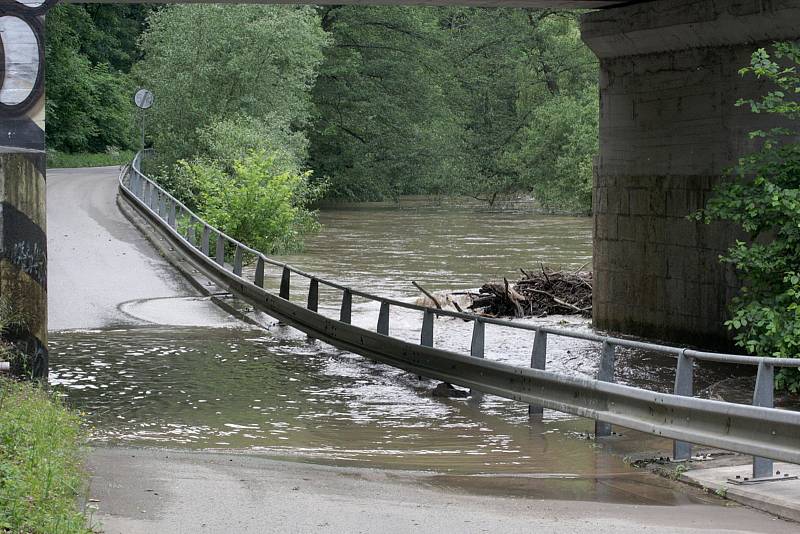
<point x="758" y="429"/>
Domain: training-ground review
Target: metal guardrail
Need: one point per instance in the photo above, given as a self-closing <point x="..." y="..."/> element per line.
<point x="761" y="430"/>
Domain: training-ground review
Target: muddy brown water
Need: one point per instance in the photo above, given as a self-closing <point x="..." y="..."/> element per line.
<point x="277" y="393"/>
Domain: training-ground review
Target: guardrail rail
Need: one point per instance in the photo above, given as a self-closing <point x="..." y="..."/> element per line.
<point x="759" y="429"/>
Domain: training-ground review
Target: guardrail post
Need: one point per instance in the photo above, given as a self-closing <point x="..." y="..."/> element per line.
<point x="237" y="261"/>
<point x="347" y="306"/>
<point x="764" y="396"/>
<point x="162" y="206"/>
<point x="476" y="350"/>
<point x="190" y="237"/>
<point x="313" y="295"/>
<point x="172" y="217"/>
<point x="220" y="255"/>
<point x="426" y="335"/>
<point x="478" y="338"/>
<point x="204" y="240"/>
<point x="151" y="192"/>
<point x="285" y="277"/>
<point x="538" y="361"/>
<point x="259" y="278"/>
<point x="383" y="319"/>
<point x="684" y="386"/>
<point x="605" y="374"/>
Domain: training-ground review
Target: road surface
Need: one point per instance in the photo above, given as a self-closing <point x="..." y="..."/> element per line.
<point x="149" y="491"/>
<point x="102" y="272"/>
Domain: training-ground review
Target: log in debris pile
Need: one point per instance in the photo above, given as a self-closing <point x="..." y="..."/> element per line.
<point x="537" y="294"/>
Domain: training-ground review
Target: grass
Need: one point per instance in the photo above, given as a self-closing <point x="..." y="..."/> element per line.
<point x="58" y="160"/>
<point x="41" y="462"/>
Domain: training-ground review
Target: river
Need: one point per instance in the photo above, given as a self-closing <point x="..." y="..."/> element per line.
<point x="275" y="392"/>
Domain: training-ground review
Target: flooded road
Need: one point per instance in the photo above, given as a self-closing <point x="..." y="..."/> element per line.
<point x="226" y="386"/>
<point x="246" y="392"/>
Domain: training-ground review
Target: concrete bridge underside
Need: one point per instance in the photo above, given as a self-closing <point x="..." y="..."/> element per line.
<point x="668" y="128"/>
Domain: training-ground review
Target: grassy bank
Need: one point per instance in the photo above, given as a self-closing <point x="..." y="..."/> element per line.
<point x="41" y="473"/>
<point x="59" y="160"/>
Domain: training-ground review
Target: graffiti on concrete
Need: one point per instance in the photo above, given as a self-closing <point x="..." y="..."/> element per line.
<point x="22" y="73"/>
<point x="23" y="243"/>
<point x="30" y="259"/>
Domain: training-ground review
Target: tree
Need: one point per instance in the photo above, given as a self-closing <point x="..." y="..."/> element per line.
<point x="89" y="106"/>
<point x="529" y="90"/>
<point x="217" y="67"/>
<point x="384" y="124"/>
<point x="456" y="101"/>
<point x="763" y="198"/>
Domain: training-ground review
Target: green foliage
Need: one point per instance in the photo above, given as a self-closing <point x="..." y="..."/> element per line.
<point x="763" y="198"/>
<point x="456" y="101"/>
<point x="556" y="152"/>
<point x="385" y="125"/>
<point x="40" y="450"/>
<point x="381" y="100"/>
<point x="88" y="106"/>
<point x="41" y="472"/>
<point x="259" y="202"/>
<point x="219" y="70"/>
<point x="59" y="160"/>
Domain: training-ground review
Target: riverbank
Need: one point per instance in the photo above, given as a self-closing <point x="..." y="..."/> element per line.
<point x="41" y="471"/>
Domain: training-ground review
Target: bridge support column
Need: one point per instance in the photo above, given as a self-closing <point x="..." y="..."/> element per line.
<point x="668" y="128"/>
<point x="23" y="239"/>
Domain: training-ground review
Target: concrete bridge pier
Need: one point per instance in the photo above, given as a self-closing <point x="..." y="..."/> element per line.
<point x="23" y="241"/>
<point x="668" y="128"/>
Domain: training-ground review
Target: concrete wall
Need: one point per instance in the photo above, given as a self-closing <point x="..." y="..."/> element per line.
<point x="668" y="128"/>
<point x="23" y="241"/>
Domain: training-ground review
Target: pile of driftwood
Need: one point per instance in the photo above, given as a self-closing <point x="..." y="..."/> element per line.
<point x="537" y="294"/>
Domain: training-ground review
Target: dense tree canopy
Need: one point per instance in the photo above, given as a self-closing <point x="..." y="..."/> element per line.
<point x="90" y="50"/>
<point x="377" y="101"/>
<point x="230" y="72"/>
<point x="455" y="100"/>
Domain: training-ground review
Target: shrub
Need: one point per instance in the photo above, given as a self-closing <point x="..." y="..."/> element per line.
<point x="257" y="202"/>
<point x="763" y="198"/>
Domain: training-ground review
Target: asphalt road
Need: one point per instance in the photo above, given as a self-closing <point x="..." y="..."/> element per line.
<point x="104" y="273"/>
<point x="138" y="491"/>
